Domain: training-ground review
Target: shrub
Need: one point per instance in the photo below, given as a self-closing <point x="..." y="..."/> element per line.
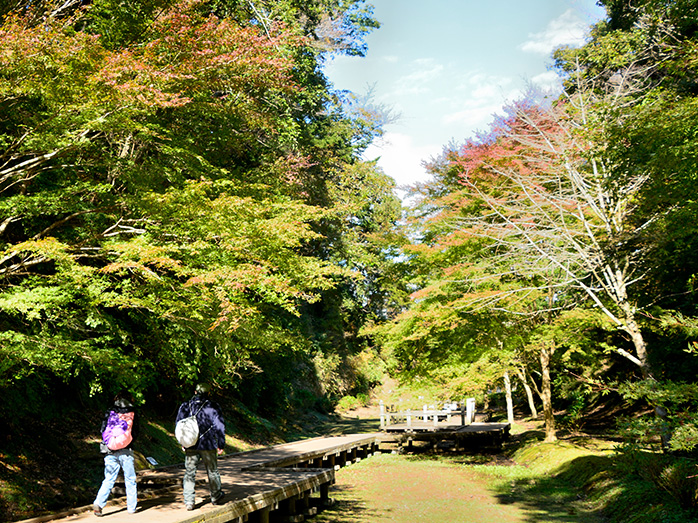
<point x="677" y="476"/>
<point x="352" y="402"/>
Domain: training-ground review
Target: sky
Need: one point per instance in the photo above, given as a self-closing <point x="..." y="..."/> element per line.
<point x="445" y="67"/>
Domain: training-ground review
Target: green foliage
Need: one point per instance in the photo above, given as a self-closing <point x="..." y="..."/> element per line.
<point x="347" y="403"/>
<point x="674" y="476"/>
<point x="182" y="198"/>
<point x="574" y="411"/>
<point x="673" y="424"/>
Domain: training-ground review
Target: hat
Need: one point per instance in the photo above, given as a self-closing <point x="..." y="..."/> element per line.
<point x="202" y="388"/>
<point x="122" y="402"/>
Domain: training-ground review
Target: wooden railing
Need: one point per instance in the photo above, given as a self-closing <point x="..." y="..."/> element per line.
<point x="465" y="410"/>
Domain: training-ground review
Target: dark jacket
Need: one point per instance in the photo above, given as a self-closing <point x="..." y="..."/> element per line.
<point x="121" y="407"/>
<point x="210" y="420"/>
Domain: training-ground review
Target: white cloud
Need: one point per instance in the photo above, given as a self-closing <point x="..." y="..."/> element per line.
<point x="424" y="71"/>
<point x="567" y="29"/>
<point x="401" y="158"/>
<point x="486" y="91"/>
<point x="472" y="117"/>
<point x="479" y="97"/>
<point x="549" y="81"/>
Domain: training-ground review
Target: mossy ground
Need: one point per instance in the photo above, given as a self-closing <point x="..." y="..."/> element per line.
<point x="475" y="487"/>
<point x="579" y="478"/>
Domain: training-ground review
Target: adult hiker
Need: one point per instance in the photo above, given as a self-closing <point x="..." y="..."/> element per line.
<point x="206" y="448"/>
<point x="119" y="429"/>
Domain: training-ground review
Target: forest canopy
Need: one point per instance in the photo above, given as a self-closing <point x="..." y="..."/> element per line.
<point x="183" y="199"/>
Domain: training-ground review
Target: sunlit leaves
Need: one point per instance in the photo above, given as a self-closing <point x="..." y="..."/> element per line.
<point x="181" y="191"/>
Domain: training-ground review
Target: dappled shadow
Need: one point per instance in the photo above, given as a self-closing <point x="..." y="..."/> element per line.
<point x="584" y="441"/>
<point x="345" y="425"/>
<point x="349" y="508"/>
<point x="524" y="438"/>
<point x="40" y="473"/>
<point x="164" y="498"/>
<point x="558" y="497"/>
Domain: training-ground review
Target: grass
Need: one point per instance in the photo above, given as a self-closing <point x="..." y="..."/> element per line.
<point x="451" y="488"/>
<point x="399" y="489"/>
<point x="577" y="479"/>
<point x="546" y="480"/>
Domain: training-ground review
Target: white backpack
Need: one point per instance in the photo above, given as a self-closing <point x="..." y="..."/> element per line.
<point x="187" y="430"/>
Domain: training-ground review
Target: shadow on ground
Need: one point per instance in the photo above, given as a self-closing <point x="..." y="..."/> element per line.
<point x="351" y="426"/>
<point x="336" y="425"/>
<point x="350" y="509"/>
<point x="557" y="497"/>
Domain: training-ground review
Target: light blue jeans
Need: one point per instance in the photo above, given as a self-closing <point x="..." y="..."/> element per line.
<point x="119" y="459"/>
<point x="191" y="460"/>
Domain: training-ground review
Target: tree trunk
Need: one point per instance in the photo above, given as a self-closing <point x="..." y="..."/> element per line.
<point x="510" y="401"/>
<point x="546" y="394"/>
<point x="521" y="373"/>
<point x="628" y="320"/>
<point x="633" y="329"/>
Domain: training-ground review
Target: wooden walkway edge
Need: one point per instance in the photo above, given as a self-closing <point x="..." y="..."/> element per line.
<point x="460" y="437"/>
<point x="256" y="483"/>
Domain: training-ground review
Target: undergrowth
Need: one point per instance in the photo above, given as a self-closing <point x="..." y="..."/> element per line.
<point x="593" y="478"/>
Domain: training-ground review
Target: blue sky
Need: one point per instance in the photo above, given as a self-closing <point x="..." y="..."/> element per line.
<point x="446" y="66"/>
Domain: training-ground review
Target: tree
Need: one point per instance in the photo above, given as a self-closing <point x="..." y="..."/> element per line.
<point x="645" y="55"/>
<point x="554" y="213"/>
<point x="106" y="204"/>
<point x="530" y="220"/>
<point x="165" y="186"/>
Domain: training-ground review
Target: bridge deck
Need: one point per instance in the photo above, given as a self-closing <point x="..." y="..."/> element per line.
<point x="254" y="482"/>
<point x="442" y="427"/>
<point x="462" y="436"/>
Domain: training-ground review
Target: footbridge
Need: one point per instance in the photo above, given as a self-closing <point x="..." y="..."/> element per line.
<point x="287" y="482"/>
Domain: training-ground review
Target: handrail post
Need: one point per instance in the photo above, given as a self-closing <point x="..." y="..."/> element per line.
<point x="470" y="408"/>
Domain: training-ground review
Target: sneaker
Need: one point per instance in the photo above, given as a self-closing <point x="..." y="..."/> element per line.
<point x="97" y="510"/>
<point x="190" y="507"/>
<point x="218" y="498"/>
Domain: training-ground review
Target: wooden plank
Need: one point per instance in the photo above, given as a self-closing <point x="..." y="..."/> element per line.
<point x="478" y="434"/>
<point x="254" y="482"/>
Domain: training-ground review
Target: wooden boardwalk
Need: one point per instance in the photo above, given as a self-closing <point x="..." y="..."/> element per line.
<point x="458" y="436"/>
<point x="285" y="482"/>
<point x="277" y="479"/>
<point x="452" y="426"/>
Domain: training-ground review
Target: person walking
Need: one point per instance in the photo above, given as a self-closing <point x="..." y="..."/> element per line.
<point x="119" y="429"/>
<point x="210" y="444"/>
